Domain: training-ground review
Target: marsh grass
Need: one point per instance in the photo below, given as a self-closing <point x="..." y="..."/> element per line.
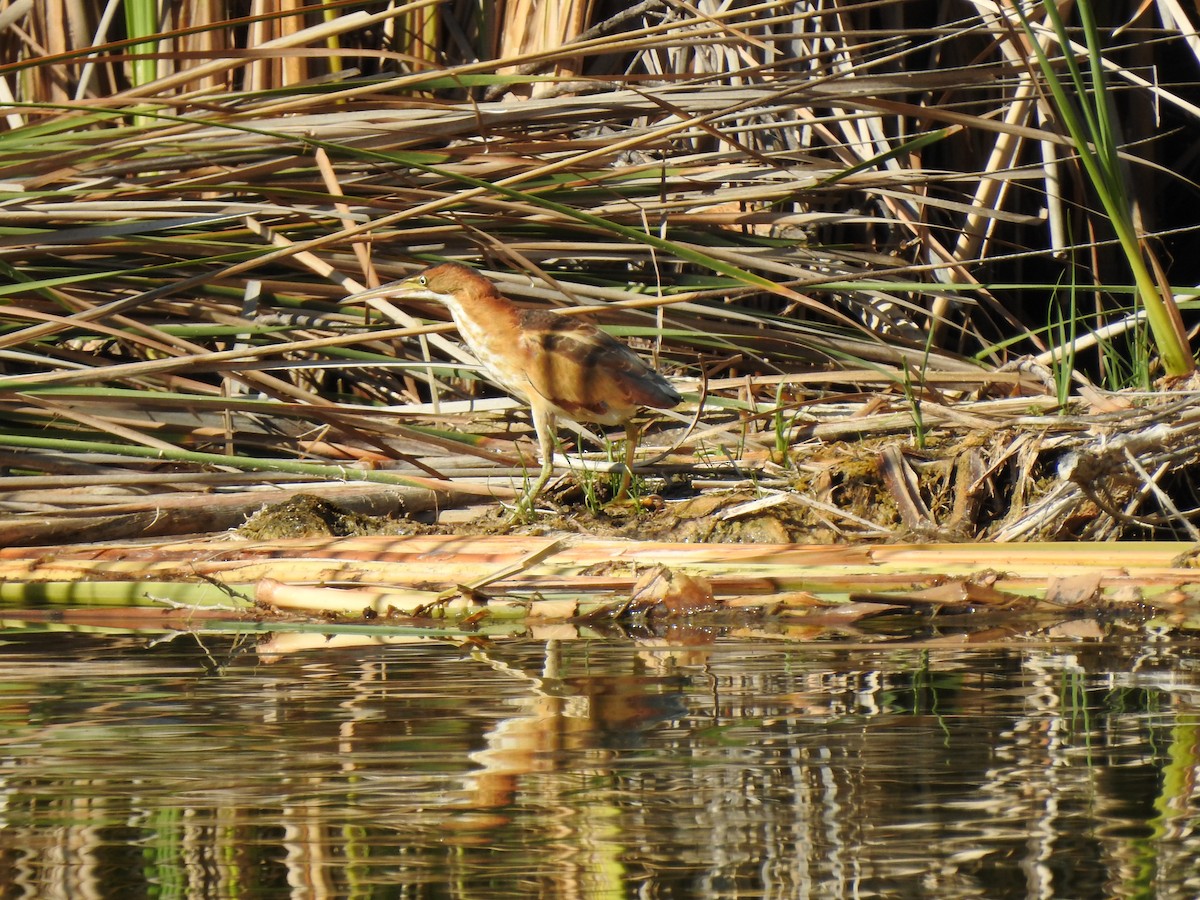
<point x="775" y="201"/>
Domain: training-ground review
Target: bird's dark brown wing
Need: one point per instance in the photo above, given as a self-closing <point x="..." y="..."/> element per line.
<point x="586" y="374"/>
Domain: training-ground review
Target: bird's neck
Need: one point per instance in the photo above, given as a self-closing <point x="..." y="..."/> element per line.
<point x="483" y="317"/>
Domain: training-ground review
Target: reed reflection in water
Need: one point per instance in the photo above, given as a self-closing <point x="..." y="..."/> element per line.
<point x="219" y="767"/>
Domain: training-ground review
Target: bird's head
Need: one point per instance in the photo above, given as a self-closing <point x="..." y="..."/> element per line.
<point x="448" y="283"/>
<point x="448" y="278"/>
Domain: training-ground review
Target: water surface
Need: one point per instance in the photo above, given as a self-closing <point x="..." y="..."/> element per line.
<point x="222" y="766"/>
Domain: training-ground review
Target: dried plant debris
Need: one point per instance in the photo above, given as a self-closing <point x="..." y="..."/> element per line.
<point x="1129" y="474"/>
<point x="508" y="585"/>
<point x="978" y="471"/>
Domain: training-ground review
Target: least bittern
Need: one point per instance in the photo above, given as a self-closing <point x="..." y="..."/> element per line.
<point x="560" y="366"/>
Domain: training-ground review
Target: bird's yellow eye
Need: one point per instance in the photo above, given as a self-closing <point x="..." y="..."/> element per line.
<point x="422" y="281"/>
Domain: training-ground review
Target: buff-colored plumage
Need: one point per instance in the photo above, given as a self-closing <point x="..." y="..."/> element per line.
<point x="560" y="366"/>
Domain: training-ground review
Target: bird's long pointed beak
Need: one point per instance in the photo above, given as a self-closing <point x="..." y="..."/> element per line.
<point x="405" y="287"/>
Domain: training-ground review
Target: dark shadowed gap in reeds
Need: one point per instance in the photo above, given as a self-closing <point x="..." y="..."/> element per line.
<point x="809" y="215"/>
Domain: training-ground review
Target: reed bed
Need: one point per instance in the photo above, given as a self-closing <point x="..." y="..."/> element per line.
<point x="853" y="209"/>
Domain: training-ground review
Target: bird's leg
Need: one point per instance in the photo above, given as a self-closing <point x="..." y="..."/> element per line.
<point x="543" y="424"/>
<point x="631" y="438"/>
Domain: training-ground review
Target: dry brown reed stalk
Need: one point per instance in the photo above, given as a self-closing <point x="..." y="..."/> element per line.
<point x="377" y="582"/>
